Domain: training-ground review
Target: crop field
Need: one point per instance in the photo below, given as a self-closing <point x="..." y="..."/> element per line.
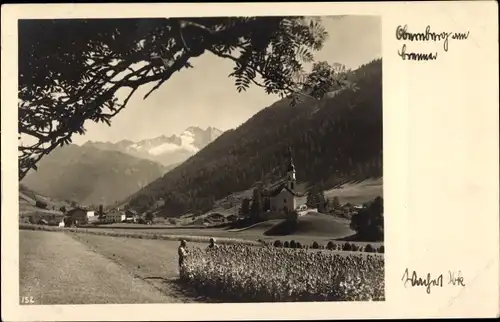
<point x="240" y="273"/>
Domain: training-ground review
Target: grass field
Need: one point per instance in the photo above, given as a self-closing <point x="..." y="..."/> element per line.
<point x="317" y="225"/>
<point x="312" y="227"/>
<point x="135" y="234"/>
<point x="357" y="193"/>
<point x="55" y="268"/>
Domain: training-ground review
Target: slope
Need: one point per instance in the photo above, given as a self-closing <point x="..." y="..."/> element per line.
<point x="333" y="141"/>
<point x="87" y="175"/>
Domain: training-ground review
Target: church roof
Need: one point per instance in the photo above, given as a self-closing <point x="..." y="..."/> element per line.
<point x="277" y="189"/>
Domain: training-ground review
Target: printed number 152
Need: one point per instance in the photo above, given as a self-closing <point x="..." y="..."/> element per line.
<point x="27" y="300"/>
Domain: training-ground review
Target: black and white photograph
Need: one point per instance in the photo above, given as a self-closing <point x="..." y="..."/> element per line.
<point x="231" y="159"/>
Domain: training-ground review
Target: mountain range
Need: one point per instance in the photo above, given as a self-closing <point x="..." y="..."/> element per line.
<point x="168" y="151"/>
<point x="105" y="173"/>
<point x="335" y="140"/>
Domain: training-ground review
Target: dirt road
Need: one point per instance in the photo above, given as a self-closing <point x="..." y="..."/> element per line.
<point x="56" y="268"/>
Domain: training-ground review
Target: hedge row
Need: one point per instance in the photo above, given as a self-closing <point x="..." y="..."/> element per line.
<point x="330" y="246"/>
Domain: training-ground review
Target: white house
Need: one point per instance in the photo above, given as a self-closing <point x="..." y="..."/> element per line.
<point x="90" y="213"/>
<point x="115" y="216"/>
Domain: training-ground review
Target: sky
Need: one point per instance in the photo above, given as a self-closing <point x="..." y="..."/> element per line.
<point x="204" y="95"/>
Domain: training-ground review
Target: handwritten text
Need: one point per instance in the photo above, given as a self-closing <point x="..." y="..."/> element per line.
<point x="428" y="35"/>
<point x="428" y="281"/>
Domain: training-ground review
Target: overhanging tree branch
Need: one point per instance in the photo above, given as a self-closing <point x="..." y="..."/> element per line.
<point x="69" y="72"/>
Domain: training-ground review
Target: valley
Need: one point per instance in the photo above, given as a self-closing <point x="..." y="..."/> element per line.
<point x="180" y="178"/>
<point x="104" y="173"/>
<point x="129" y="192"/>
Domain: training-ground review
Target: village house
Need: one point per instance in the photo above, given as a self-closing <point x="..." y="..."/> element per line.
<point x="114" y="216"/>
<point x="92" y="217"/>
<point x="77" y="216"/>
<point x="131" y="216"/>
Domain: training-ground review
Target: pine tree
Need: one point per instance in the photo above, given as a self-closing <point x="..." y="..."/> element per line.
<point x="312" y="197"/>
<point x="335" y="203"/>
<point x="316" y="198"/>
<point x="256" y="204"/>
<point x="245" y="207"/>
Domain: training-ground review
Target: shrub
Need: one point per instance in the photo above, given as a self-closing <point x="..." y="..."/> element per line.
<point x="315" y="245"/>
<point x="252" y="274"/>
<point x="354" y="247"/>
<point x="369" y="221"/>
<point x="41" y="204"/>
<point x="293" y="244"/>
<point x="298" y="245"/>
<point x="331" y="245"/>
<point x="381" y="249"/>
<point x="286" y="244"/>
<point x="346" y="247"/>
<point x="369" y="248"/>
<point x="278" y="243"/>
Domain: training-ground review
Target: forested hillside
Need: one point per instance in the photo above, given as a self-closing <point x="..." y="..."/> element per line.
<point x="87" y="175"/>
<point x="334" y="140"/>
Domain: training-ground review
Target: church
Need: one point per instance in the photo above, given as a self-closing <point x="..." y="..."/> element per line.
<point x="283" y="196"/>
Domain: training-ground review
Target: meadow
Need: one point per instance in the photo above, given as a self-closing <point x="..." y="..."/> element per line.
<point x="251" y="236"/>
<point x="56" y="268"/>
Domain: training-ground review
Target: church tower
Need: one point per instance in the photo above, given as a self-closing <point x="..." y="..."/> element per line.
<point x="291" y="180"/>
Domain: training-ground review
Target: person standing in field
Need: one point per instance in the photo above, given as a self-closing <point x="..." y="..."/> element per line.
<point x="182" y="253"/>
<point x="212" y="244"/>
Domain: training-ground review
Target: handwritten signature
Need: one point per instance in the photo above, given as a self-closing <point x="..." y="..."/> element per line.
<point x="413" y="280"/>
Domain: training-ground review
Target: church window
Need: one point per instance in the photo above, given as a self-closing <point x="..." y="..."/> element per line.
<point x="291" y="185"/>
<point x="284" y="200"/>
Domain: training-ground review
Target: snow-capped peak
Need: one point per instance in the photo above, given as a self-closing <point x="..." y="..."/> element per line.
<point x="166" y="150"/>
